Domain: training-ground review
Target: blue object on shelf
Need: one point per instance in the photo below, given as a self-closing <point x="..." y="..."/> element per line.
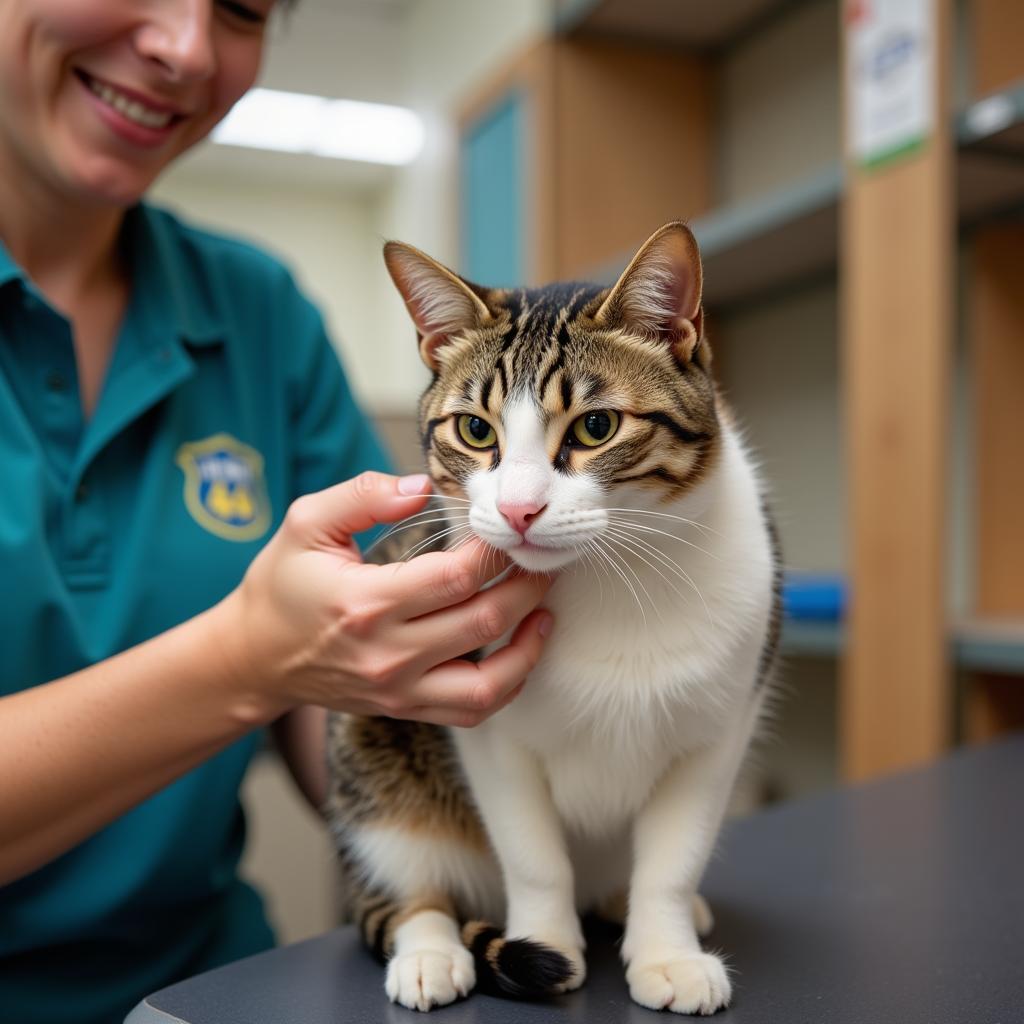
<point x="816" y="596"/>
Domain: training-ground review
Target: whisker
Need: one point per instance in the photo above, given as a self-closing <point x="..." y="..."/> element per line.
<point x="419" y="517"/>
<point x="667" y="515"/>
<point x="426" y="542"/>
<point x="633" y="545"/>
<point x="588" y="551"/>
<point x="623" y="577"/>
<point x="663" y="533"/>
<point x="675" y="567"/>
<point x="402" y="527"/>
<point x="636" y="576"/>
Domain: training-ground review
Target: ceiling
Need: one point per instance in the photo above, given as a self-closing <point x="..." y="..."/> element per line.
<point x="348" y="49"/>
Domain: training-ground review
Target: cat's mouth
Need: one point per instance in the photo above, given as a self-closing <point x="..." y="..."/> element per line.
<point x="541" y="557"/>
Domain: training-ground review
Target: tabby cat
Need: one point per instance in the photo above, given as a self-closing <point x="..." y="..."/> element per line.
<point x="578" y="429"/>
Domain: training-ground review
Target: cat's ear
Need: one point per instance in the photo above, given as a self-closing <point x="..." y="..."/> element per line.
<point x="440" y="303"/>
<point x="658" y="294"/>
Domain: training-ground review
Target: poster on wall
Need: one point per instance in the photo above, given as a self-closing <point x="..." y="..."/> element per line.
<point x="890" y="76"/>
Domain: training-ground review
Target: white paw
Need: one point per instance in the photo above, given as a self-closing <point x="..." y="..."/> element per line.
<point x="430" y="977"/>
<point x="690" y="983"/>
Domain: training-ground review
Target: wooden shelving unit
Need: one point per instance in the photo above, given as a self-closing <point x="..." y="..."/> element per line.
<point x="877" y="234"/>
<point x="786" y="238"/>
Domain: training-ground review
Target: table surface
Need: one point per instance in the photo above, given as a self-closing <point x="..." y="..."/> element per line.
<point x="900" y="901"/>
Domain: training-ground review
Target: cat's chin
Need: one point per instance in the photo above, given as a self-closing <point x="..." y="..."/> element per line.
<point x="534" y="558"/>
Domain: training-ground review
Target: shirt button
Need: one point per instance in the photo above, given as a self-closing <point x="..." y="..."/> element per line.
<point x="81" y="493"/>
<point x="56" y="382"/>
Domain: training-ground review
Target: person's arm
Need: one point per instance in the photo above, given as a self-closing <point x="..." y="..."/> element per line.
<point x="330" y="438"/>
<point x="77" y="752"/>
<point x="310" y="624"/>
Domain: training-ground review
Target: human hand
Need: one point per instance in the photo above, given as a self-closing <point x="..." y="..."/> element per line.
<point x="312" y="624"/>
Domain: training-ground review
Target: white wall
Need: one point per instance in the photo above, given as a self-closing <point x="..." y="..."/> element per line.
<point x="451" y="47"/>
<point x="328" y="239"/>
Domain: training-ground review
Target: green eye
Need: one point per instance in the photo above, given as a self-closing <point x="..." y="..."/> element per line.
<point x="476" y="432"/>
<point x="594" y="428"/>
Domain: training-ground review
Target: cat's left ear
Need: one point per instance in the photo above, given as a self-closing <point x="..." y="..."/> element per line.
<point x="658" y="295"/>
<point x="440" y="303"/>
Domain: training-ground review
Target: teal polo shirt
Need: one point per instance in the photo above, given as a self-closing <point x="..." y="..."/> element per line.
<point x="224" y="401"/>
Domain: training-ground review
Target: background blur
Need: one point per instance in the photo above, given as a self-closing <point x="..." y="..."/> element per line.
<point x="867" y="317"/>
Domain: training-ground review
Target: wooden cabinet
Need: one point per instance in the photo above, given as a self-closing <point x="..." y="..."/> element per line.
<point x="609" y="140"/>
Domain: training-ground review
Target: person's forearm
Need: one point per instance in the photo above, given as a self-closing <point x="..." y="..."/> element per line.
<point x="78" y="752"/>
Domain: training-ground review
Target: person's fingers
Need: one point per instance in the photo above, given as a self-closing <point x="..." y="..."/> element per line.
<point x="464" y="693"/>
<point x="439" y="579"/>
<point x="483" y="619"/>
<point x="330" y="517"/>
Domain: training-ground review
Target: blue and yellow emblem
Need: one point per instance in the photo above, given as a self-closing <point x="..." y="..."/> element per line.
<point x="225" y="491"/>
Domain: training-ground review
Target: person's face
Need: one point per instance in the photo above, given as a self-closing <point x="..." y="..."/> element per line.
<point x="97" y="97"/>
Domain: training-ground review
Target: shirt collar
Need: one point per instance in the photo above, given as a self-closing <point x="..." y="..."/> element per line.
<point x="168" y="282"/>
<point x="164" y="281"/>
<point x="9" y="270"/>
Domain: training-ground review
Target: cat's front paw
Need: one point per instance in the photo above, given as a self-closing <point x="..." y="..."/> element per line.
<point x="684" y="983"/>
<point x="426" y="978"/>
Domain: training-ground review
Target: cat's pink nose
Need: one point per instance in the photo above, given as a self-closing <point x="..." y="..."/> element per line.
<point x="520" y="516"/>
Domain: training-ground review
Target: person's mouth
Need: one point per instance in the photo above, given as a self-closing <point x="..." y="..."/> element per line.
<point x="135" y="108"/>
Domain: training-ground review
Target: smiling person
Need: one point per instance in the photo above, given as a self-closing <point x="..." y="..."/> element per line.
<point x="167" y="397"/>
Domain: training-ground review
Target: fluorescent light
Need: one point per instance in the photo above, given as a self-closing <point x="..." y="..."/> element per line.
<point x="344" y="129"/>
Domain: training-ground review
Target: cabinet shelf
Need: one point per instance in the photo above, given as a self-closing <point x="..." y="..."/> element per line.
<point x="990" y="168"/>
<point x="806" y="639"/>
<point x="989" y="645"/>
<point x="694" y="24"/>
<point x="780" y="240"/>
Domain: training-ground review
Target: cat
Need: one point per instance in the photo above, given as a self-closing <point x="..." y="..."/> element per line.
<point x="580" y="430"/>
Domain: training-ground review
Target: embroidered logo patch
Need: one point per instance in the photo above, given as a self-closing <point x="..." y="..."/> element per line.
<point x="225" y="491"/>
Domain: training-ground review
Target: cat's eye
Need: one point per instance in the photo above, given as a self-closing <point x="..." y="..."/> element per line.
<point x="594" y="428"/>
<point x="476" y="432"/>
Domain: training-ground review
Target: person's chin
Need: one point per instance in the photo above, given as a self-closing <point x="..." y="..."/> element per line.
<point x="537" y="558"/>
<point x="105" y="181"/>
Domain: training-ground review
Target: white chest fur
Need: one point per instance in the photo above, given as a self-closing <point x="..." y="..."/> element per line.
<point x="647" y="661"/>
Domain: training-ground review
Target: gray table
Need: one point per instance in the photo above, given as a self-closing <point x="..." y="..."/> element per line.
<point x="901" y="901"/>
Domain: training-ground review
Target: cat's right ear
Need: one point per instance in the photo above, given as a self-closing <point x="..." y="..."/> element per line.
<point x="440" y="303"/>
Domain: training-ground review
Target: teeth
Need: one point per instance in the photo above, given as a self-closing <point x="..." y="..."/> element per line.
<point x="131" y="109"/>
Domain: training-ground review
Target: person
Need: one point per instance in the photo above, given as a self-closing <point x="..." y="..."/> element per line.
<point x="183" y="470"/>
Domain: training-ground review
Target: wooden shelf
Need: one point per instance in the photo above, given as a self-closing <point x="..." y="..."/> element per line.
<point x="978" y="645"/>
<point x="806" y="639"/>
<point x="778" y="241"/>
<point x="990" y="168"/>
<point x="990" y="645"/>
<point x="694" y="24"/>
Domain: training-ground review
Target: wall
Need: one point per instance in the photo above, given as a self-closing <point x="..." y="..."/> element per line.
<point x="326" y="237"/>
<point x="450" y="47"/>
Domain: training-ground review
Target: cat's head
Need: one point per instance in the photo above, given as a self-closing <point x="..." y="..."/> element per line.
<point x="551" y="409"/>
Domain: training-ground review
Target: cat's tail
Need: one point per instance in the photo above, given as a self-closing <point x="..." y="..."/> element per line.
<point x="519" y="968"/>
